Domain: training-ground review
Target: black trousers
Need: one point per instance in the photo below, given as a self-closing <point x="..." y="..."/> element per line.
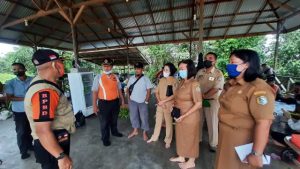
<point x="24" y="138"/>
<point x="109" y="112"/>
<point x="43" y="157"/>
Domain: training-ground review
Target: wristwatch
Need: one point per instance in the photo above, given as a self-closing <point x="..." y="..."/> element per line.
<point x="61" y="156"/>
<point x="255" y="153"/>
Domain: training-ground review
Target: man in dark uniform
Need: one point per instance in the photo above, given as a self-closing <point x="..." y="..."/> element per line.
<point x="107" y="92"/>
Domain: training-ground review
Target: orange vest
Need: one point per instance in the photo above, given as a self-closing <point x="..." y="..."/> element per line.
<point x="108" y="87"/>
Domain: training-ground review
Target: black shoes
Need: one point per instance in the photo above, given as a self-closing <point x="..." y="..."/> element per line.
<point x="106" y="143"/>
<point x="212" y="149"/>
<point x="117" y="134"/>
<point x="25" y="155"/>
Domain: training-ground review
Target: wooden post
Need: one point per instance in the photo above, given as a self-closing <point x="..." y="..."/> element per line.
<point x="201" y="25"/>
<point x="74" y="39"/>
<point x="276" y="45"/>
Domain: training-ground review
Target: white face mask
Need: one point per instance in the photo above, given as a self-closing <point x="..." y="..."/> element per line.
<point x="166" y="74"/>
<point x="107" y="72"/>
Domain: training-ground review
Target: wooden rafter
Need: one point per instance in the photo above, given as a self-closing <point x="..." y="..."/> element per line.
<point x="274" y="11"/>
<point x="257" y="17"/>
<point x="9" y="11"/>
<point x="152" y="17"/>
<point x="172" y="17"/>
<point x="213" y="17"/>
<point x="38" y="6"/>
<point x="187" y="30"/>
<point x="52" y="11"/>
<point x="27" y="32"/>
<point x="194" y="39"/>
<point x="283" y="5"/>
<point x="115" y="19"/>
<point x="238" y="7"/>
<point x="48" y="5"/>
<point x="102" y="24"/>
<point x="128" y="7"/>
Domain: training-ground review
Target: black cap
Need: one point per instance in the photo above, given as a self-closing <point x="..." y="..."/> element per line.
<point x="138" y="65"/>
<point x="108" y="61"/>
<point x="42" y="56"/>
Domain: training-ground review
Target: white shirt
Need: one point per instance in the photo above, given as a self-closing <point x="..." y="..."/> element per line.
<point x="139" y="92"/>
<point x="294" y="125"/>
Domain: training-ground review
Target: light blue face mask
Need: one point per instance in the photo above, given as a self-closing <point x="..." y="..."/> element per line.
<point x="108" y="72"/>
<point x="183" y="74"/>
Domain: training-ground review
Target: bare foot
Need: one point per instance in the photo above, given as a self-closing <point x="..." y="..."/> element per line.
<point x="177" y="159"/>
<point x="168" y="145"/>
<point x="132" y="134"/>
<point x="151" y="140"/>
<point x="186" y="165"/>
<point x="145" y="136"/>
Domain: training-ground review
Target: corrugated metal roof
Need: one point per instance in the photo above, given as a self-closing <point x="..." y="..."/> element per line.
<point x="171" y="18"/>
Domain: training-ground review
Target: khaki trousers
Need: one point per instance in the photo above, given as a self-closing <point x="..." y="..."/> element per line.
<point x="161" y="115"/>
<point x="212" y="120"/>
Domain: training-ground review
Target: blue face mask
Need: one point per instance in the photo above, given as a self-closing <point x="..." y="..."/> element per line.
<point x="232" y="72"/>
<point x="183" y="74"/>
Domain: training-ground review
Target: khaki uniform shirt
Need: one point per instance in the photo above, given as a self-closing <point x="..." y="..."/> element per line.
<point x="210" y="80"/>
<point x="161" y="89"/>
<point x="243" y="103"/>
<point x="44" y="102"/>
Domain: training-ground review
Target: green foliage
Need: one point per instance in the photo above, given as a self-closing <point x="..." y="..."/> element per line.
<point x="21" y="55"/>
<point x="124" y="113"/>
<point x="5" y="77"/>
<point x="224" y="47"/>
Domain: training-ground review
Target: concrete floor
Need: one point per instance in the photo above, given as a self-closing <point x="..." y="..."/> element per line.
<point x="87" y="151"/>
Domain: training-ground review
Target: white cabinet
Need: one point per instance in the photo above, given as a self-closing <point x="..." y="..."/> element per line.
<point x="81" y="92"/>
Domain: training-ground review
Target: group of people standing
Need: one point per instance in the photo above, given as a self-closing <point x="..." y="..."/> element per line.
<point x="237" y="112"/>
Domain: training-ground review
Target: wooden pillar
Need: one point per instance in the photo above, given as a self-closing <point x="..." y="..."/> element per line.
<point x="74" y="39"/>
<point x="276" y="45"/>
<point x="201" y="25"/>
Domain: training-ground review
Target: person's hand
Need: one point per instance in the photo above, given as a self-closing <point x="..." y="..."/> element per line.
<point x="123" y="105"/>
<point x="178" y="120"/>
<point x="255" y="161"/>
<point x="95" y="109"/>
<point x="65" y="163"/>
<point x="160" y="103"/>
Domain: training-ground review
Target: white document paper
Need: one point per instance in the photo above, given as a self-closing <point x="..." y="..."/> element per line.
<point x="244" y="150"/>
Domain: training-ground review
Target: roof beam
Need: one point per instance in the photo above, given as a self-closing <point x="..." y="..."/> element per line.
<point x="213" y="17"/>
<point x="257" y="17"/>
<point x="9" y="11"/>
<point x="283" y="4"/>
<point x="37" y="5"/>
<point x="42" y="13"/>
<point x="128" y="7"/>
<point x="238" y="7"/>
<point x="274" y="11"/>
<point x="187" y="30"/>
<point x="194" y="39"/>
<point x="152" y="17"/>
<point x="115" y="19"/>
<point x="172" y="17"/>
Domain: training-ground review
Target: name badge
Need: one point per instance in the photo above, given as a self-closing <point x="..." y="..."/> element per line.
<point x="211" y="78"/>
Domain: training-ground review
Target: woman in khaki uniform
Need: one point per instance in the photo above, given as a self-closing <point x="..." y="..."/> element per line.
<point x="188" y="99"/>
<point x="165" y="100"/>
<point x="246" y="112"/>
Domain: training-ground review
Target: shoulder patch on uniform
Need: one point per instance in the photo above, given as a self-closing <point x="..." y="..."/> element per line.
<point x="260" y="93"/>
<point x="262" y="100"/>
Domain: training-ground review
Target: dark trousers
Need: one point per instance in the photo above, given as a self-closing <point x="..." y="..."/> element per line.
<point x="109" y="112"/>
<point x="24" y="138"/>
<point x="43" y="157"/>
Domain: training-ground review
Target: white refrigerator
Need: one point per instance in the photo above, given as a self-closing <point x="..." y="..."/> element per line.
<point x="81" y="92"/>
